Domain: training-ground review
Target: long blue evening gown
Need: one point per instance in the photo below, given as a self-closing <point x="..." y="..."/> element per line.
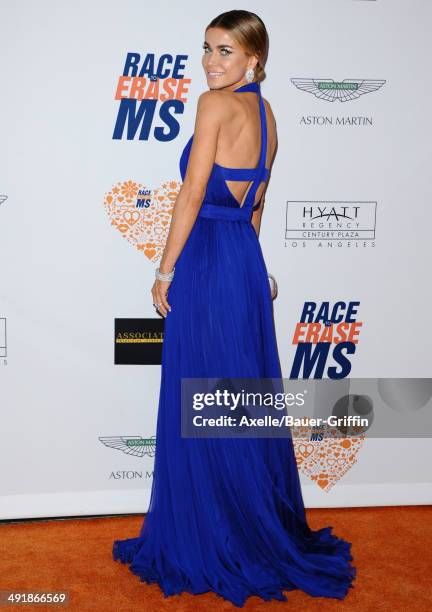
<point x="227" y="514"/>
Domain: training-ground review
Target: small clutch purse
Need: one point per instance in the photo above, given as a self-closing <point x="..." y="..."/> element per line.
<point x="273" y="285"/>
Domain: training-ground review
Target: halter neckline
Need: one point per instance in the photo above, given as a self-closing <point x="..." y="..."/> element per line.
<point x="230" y="208"/>
<point x="252" y="86"/>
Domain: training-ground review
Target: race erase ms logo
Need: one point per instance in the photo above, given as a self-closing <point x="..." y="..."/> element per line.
<point x="324" y="333"/>
<point x="151" y="94"/>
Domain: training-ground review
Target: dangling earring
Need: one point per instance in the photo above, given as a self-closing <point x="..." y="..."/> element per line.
<point x="249" y="74"/>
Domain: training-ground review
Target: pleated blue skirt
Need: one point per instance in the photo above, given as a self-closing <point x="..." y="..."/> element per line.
<point x="227" y="514"/>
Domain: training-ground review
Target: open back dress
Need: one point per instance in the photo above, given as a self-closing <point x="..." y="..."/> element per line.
<point x="227" y="514"/>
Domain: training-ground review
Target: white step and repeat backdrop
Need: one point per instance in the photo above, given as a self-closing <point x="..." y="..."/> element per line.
<point x="89" y="173"/>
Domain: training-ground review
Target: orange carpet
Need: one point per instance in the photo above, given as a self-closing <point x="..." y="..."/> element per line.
<point x="391" y="546"/>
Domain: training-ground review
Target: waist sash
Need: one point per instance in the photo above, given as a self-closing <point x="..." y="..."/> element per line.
<point x="226" y="213"/>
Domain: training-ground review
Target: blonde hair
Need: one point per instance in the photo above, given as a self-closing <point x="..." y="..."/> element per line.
<point x="249" y="31"/>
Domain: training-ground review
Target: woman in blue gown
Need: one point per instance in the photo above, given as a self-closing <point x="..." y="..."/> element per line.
<point x="226" y="514"/>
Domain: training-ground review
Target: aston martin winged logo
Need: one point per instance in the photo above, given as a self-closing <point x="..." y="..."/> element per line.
<point x="344" y="91"/>
<point x="131" y="445"/>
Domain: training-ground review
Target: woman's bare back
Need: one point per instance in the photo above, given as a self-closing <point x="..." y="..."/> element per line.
<point x="239" y="140"/>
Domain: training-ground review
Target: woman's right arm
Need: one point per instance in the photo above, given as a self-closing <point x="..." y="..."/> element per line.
<point x="210" y="114"/>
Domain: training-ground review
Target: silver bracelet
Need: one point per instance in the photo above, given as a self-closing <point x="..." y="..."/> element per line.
<point x="165" y="276"/>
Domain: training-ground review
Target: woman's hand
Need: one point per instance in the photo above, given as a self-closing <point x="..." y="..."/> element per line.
<point x="159" y="293"/>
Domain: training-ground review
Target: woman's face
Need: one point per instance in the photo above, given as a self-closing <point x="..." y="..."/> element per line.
<point x="224" y="61"/>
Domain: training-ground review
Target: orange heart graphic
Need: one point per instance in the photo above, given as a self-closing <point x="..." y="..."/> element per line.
<point x="326" y="461"/>
<point x="142" y="215"/>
